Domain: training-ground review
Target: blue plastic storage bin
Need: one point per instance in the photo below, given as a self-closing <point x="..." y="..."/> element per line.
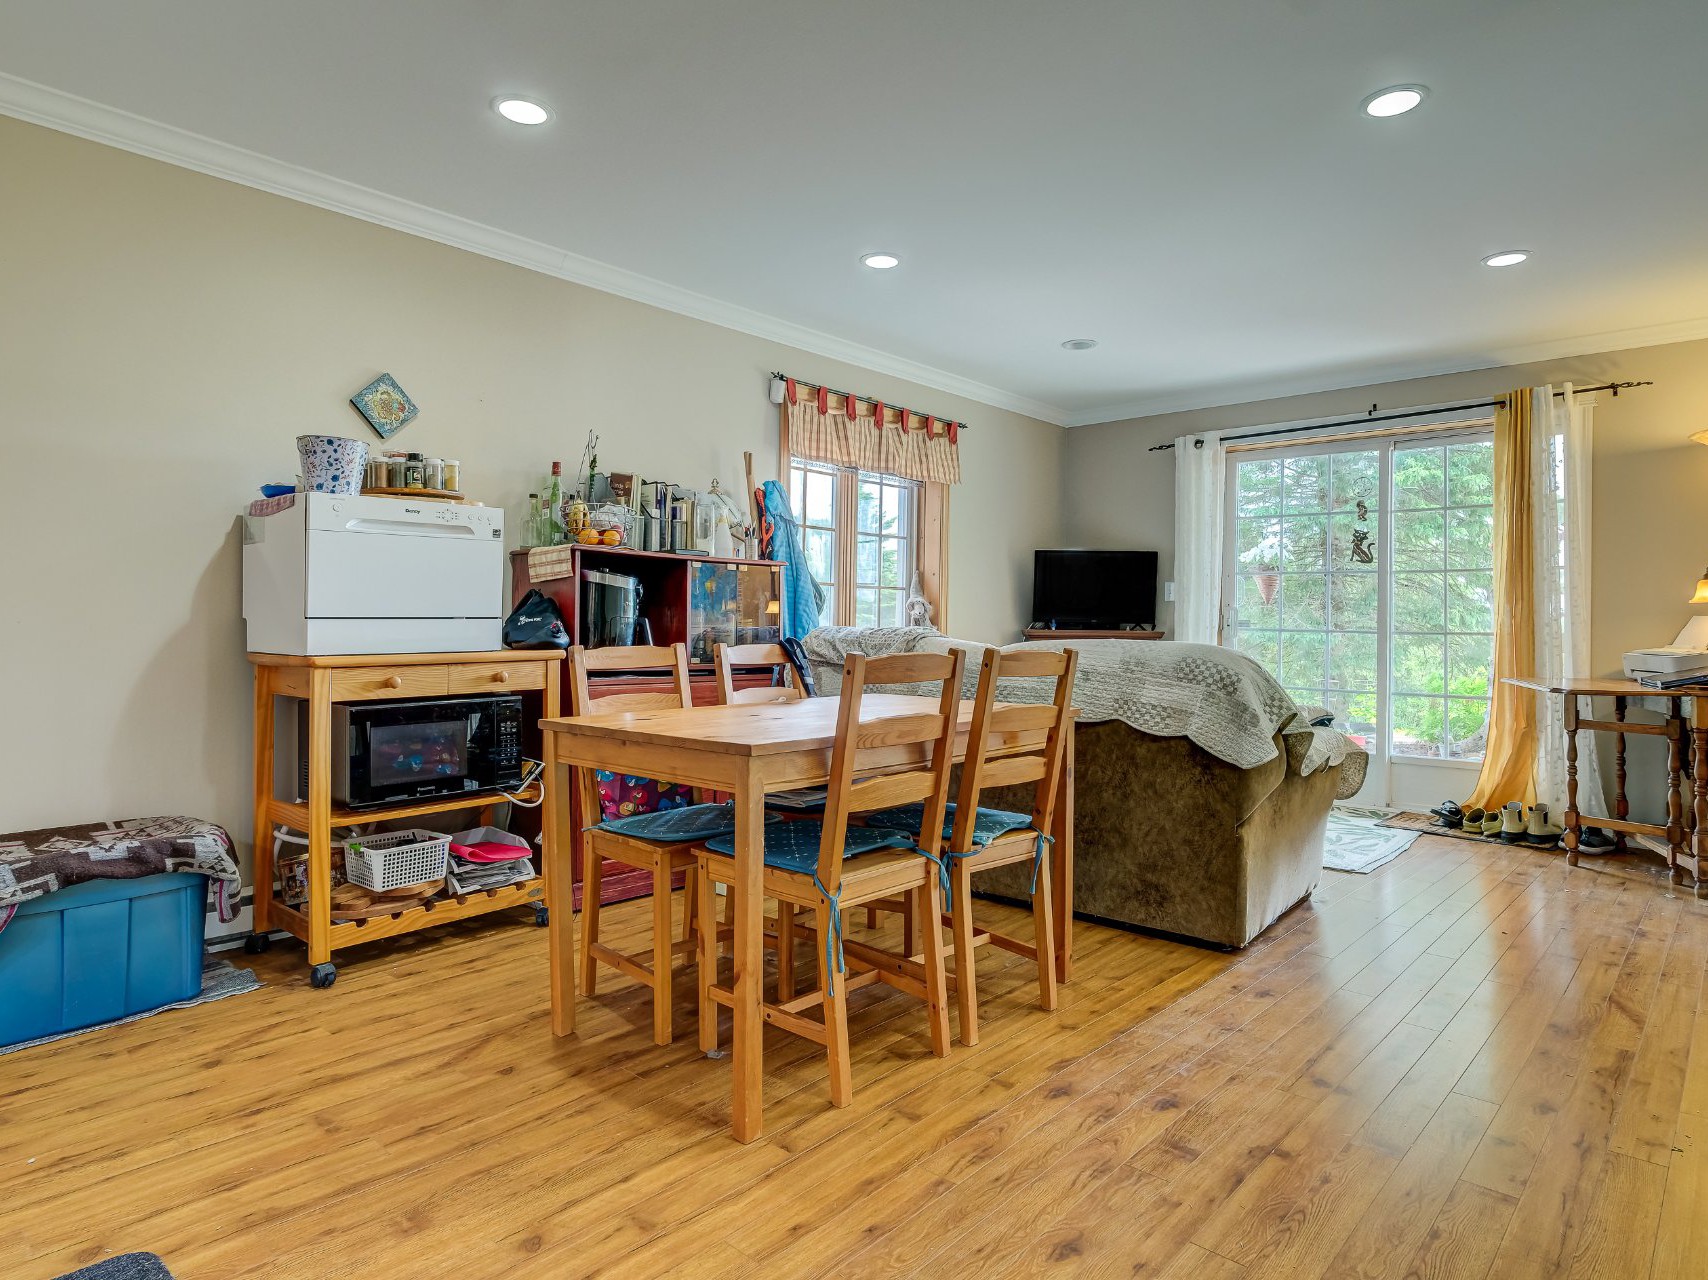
<point x="100" y="951"/>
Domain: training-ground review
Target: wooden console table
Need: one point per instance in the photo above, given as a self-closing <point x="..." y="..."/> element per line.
<point x="1685" y="830"/>
<point x="326" y="680"/>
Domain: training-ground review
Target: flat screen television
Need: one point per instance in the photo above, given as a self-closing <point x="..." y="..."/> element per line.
<point x="1094" y="590"/>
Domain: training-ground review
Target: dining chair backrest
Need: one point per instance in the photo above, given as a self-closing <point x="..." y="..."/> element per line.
<point x="1032" y="736"/>
<point x="639" y="660"/>
<point x="728" y="658"/>
<point x="864" y="746"/>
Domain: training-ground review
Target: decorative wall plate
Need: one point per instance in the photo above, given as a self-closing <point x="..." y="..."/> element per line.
<point x="385" y="405"/>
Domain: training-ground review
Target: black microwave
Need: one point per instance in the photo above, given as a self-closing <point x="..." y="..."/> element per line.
<point x="420" y="748"/>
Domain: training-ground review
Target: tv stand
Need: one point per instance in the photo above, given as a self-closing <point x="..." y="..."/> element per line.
<point x="1051" y="633"/>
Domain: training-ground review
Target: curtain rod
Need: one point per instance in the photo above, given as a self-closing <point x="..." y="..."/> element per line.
<point x="819" y="386"/>
<point x="1373" y="416"/>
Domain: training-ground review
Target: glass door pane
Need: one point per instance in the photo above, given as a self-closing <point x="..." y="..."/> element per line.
<point x="1307" y="602"/>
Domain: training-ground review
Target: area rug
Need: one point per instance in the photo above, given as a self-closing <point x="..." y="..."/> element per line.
<point x="1357" y="841"/>
<point x="127" y="1266"/>
<point x="220" y="978"/>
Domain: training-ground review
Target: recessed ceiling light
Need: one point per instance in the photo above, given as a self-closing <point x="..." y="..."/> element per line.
<point x="1079" y="344"/>
<point x="1507" y="258"/>
<point x="521" y="111"/>
<point x="1395" y="101"/>
<point x="880" y="261"/>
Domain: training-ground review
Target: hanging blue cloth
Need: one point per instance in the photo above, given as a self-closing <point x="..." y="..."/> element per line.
<point x="803" y="595"/>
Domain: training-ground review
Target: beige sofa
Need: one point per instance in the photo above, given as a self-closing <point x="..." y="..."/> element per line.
<point x="1169" y="838"/>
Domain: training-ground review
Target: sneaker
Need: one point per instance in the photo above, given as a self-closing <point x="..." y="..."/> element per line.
<point x="1595" y="840"/>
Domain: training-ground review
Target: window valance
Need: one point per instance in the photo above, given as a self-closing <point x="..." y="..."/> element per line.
<point x="848" y="431"/>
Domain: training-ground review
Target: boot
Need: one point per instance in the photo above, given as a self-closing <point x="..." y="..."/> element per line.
<point x="1512" y="823"/>
<point x="1539" y="830"/>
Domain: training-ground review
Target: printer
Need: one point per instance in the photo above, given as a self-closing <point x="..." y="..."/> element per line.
<point x="1684" y="661"/>
<point x="341" y="573"/>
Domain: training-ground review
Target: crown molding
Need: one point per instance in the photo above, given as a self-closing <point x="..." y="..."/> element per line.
<point x="68" y="113"/>
<point x="1221" y="395"/>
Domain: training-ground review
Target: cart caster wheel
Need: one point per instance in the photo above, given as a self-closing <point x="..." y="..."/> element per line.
<point x="542" y="917"/>
<point x="322" y="976"/>
<point x="257" y="943"/>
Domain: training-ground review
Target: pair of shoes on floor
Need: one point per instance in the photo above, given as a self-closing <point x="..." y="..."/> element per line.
<point x="1512" y="825"/>
<point x="1595" y="840"/>
<point x="1450" y="815"/>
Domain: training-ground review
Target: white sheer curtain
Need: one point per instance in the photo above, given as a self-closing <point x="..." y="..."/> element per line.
<point x="1560" y="470"/>
<point x="1200" y="475"/>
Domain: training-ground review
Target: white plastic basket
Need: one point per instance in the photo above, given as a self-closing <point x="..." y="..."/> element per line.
<point x="396" y="859"/>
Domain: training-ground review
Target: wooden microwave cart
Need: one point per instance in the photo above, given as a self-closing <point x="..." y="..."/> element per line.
<point x="323" y="681"/>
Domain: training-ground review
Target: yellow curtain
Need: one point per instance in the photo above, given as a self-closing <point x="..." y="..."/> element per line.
<point x="1510" y="757"/>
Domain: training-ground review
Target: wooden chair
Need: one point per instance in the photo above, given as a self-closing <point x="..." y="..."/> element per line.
<point x="662" y="857"/>
<point x="727" y="657"/>
<point x="979" y="840"/>
<point x="829" y="866"/>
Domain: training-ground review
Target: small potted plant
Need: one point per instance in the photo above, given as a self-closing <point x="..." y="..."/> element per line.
<point x="1263" y="562"/>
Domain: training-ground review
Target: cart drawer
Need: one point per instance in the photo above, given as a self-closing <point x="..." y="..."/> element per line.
<point x="498" y="677"/>
<point x="361" y="684"/>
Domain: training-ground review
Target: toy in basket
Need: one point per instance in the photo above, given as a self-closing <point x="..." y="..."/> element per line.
<point x="396" y="859"/>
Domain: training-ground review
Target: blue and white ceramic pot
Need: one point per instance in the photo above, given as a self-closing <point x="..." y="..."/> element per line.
<point x="332" y="464"/>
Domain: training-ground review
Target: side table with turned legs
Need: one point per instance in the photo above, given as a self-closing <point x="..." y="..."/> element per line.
<point x="1686" y="828"/>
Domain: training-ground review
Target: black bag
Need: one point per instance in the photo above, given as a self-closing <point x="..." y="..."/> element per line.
<point x="535" y="623"/>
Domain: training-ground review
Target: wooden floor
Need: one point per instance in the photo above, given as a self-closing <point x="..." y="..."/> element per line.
<point x="1473" y="1062"/>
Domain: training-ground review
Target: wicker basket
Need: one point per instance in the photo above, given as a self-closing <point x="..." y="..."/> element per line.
<point x="396" y="859"/>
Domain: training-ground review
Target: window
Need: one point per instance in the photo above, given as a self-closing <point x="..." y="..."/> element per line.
<point x="861" y="534"/>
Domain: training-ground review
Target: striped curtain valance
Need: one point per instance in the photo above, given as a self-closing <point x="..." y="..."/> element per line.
<point x="849" y="432"/>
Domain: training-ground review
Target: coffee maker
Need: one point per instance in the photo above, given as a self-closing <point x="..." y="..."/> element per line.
<point x="610" y="610"/>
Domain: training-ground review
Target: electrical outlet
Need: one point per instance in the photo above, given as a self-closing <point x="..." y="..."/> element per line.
<point x="1168" y="591"/>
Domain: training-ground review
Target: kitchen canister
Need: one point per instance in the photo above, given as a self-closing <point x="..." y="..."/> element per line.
<point x="332" y="464"/>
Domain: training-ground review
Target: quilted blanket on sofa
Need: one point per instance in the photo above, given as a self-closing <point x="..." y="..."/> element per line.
<point x="1217" y="698"/>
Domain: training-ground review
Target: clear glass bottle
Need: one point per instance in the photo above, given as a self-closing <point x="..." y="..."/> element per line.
<point x="553" y="500"/>
<point x="415" y="472"/>
<point x="531" y="522"/>
<point x="453" y="475"/>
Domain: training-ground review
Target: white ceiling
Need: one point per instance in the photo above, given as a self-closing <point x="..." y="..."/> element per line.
<point x="1191" y="182"/>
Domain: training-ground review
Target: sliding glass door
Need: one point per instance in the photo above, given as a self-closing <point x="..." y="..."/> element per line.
<point x="1360" y="575"/>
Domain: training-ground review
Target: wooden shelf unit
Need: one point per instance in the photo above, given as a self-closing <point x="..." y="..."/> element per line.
<point x="323" y="681"/>
<point x="666" y="582"/>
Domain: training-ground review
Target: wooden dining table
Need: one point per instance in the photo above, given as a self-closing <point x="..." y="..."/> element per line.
<point x="749" y="751"/>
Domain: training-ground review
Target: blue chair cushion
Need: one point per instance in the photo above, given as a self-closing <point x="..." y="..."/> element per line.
<point x="793" y="846"/>
<point x="689" y="824"/>
<point x="988" y="824"/>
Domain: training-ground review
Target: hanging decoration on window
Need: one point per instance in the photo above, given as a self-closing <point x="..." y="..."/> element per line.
<point x="846" y="430"/>
<point x="1363" y="549"/>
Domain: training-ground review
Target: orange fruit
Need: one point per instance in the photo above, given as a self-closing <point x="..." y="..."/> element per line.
<point x="587" y="537"/>
<point x="612" y="537"/>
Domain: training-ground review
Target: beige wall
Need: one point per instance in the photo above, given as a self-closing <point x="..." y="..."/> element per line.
<point x="164" y="337"/>
<point x="1650" y="523"/>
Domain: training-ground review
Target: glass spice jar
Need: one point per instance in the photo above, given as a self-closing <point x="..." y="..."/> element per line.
<point x="434" y="473"/>
<point x="415" y="472"/>
<point x="452" y="475"/>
